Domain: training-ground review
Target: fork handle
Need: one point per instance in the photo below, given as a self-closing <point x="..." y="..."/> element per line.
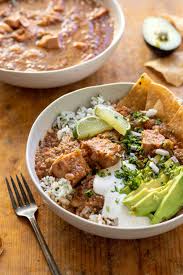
<point x="48" y="256"/>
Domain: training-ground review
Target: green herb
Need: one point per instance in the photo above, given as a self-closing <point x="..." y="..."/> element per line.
<point x="74" y="132"/>
<point x="117" y="201"/>
<point x="140" y="117"/>
<point x="171" y="170"/>
<point x="129" y="177"/>
<point x="158" y="121"/>
<point x="115" y="188"/>
<point x="89" y="193"/>
<point x="133" y="159"/>
<point x="132" y="142"/>
<point x="101" y="174"/>
<point x="107" y="208"/>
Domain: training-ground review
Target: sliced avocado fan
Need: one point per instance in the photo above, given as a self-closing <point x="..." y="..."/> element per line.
<point x="151" y="202"/>
<point x="172" y="202"/>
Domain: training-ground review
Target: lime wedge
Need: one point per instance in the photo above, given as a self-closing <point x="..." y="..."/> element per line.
<point x="90" y="126"/>
<point x="113" y="118"/>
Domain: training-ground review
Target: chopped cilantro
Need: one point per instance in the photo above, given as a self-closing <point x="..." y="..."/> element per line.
<point x="101" y="174"/>
<point x="158" y="121"/>
<point x="129" y="178"/>
<point x="89" y="193"/>
<point x="117" y="201"/>
<point x="140" y="117"/>
<point x="171" y="170"/>
<point x="132" y="142"/>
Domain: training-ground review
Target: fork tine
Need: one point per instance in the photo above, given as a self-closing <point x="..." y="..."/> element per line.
<point x="22" y="191"/>
<point x="16" y="192"/>
<point x="13" y="202"/>
<point x="28" y="189"/>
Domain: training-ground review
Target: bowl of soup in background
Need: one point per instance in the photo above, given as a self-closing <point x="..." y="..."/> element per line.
<point x="68" y="75"/>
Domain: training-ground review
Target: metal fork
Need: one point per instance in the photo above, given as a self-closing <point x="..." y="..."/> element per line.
<point x="24" y="205"/>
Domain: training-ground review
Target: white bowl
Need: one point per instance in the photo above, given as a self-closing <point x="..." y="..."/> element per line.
<point x="50" y="79"/>
<point x="70" y="102"/>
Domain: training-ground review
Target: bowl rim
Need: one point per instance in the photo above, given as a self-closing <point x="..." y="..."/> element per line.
<point x="54" y="204"/>
<point x="115" y="41"/>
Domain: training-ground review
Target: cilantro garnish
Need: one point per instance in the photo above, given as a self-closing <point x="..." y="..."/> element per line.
<point x="132" y="142"/>
<point x="140" y="117"/>
<point x="89" y="193"/>
<point x="101" y="174"/>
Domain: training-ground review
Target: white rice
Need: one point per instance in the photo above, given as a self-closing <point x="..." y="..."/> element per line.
<point x="103" y="220"/>
<point x="66" y="121"/>
<point x="56" y="188"/>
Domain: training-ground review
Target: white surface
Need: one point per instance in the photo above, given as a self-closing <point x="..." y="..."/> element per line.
<point x="50" y="79"/>
<point x="102" y="184"/>
<point x="113" y="201"/>
<point x="43" y="122"/>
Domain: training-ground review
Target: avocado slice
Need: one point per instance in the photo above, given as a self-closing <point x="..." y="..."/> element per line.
<point x="151" y="202"/>
<point x="144" y="190"/>
<point x="172" y="202"/>
<point x="154" y="183"/>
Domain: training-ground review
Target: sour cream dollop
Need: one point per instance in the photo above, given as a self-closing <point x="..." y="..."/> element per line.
<point x="113" y="208"/>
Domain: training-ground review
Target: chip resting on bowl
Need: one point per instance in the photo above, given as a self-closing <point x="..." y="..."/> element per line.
<point x="175" y="125"/>
<point x="177" y="21"/>
<point x="136" y="98"/>
<point x="163" y="100"/>
<point x="170" y="67"/>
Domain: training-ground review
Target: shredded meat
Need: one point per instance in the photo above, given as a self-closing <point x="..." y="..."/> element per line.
<point x="83" y="204"/>
<point x="99" y="12"/>
<point x="179" y="154"/>
<point x="49" y="42"/>
<point x="152" y="139"/>
<point x="13" y="21"/>
<point x="50" y="18"/>
<point x="149" y="124"/>
<point x="101" y="152"/>
<point x="22" y="34"/>
<point x="71" y="166"/>
<point x="80" y="45"/>
<point x="123" y="110"/>
<point x="113" y="136"/>
<point x="50" y="149"/>
<point x="4" y="28"/>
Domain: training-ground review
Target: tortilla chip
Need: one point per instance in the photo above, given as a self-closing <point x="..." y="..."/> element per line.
<point x="176" y="124"/>
<point x="176" y="21"/>
<point x="163" y="100"/>
<point x="170" y="67"/>
<point x="136" y="98"/>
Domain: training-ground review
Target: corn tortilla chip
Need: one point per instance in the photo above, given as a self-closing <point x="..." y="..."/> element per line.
<point x="176" y="124"/>
<point x="163" y="100"/>
<point x="170" y="67"/>
<point x="177" y="21"/>
<point x="136" y="98"/>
